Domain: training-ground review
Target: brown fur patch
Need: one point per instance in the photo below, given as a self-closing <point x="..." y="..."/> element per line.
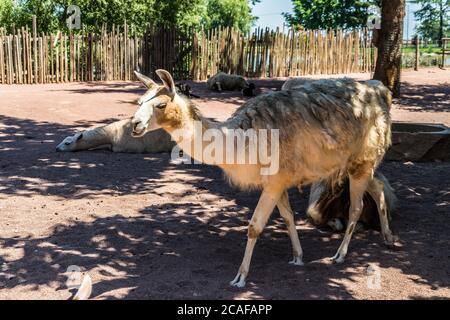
<point x="171" y="117"/>
<point x="359" y="170"/>
<point x="287" y="222"/>
<point x="352" y="226"/>
<point x="252" y="232"/>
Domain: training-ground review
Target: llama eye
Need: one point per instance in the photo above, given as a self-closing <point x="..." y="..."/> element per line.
<point x="66" y="143"/>
<point x="161" y="105"/>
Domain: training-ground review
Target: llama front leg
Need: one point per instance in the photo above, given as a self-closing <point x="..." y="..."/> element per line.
<point x="357" y="189"/>
<point x="288" y="215"/>
<point x="266" y="204"/>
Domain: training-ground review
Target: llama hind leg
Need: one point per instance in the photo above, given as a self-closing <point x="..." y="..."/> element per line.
<point x="288" y="215"/>
<point x="376" y="190"/>
<point x="263" y="210"/>
<point x="357" y="188"/>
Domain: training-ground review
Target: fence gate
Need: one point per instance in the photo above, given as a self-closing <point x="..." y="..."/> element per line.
<point x="167" y="48"/>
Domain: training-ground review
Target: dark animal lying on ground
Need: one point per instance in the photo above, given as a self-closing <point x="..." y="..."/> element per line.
<point x="186" y="90"/>
<point x="228" y="82"/>
<point x="329" y="203"/>
<point x="250" y="91"/>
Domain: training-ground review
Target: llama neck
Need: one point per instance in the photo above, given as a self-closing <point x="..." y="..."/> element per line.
<point x="232" y="150"/>
<point x="96" y="137"/>
<point x="190" y="136"/>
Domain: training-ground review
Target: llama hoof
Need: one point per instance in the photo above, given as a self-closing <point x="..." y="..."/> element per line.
<point x="297" y="261"/>
<point x="336" y="224"/>
<point x="238" y="282"/>
<point x="337" y="258"/>
<point x="391" y="241"/>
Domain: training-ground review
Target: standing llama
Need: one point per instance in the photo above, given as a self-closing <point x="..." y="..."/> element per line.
<point x="326" y="129"/>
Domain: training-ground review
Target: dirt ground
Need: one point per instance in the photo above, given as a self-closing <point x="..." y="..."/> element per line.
<point x="144" y="228"/>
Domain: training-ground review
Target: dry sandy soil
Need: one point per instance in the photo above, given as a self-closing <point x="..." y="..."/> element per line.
<point x="144" y="228"/>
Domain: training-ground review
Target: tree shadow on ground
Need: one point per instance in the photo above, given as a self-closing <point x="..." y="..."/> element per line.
<point x="425" y="98"/>
<point x="29" y="164"/>
<point x="192" y="250"/>
<point x="101" y="87"/>
<point x="198" y="87"/>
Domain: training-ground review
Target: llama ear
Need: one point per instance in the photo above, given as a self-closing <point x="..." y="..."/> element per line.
<point x="145" y="80"/>
<point x="80" y="136"/>
<point x="167" y="79"/>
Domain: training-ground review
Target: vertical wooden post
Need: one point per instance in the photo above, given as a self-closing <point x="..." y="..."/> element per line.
<point x="61" y="58"/>
<point x="416" y="67"/>
<point x="52" y="70"/>
<point x="41" y="60"/>
<point x="125" y="51"/>
<point x="444" y="48"/>
<point x="2" y="65"/>
<point x="35" y="73"/>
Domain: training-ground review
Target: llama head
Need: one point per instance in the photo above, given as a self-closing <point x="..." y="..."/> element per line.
<point x="70" y="143"/>
<point x="159" y="107"/>
<point x="249" y="91"/>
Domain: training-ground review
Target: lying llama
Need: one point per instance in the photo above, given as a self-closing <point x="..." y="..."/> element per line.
<point x="117" y="137"/>
<point x="330" y="200"/>
<point x="329" y="204"/>
<point x="325" y="128"/>
<point x="230" y="82"/>
<point x="295" y="82"/>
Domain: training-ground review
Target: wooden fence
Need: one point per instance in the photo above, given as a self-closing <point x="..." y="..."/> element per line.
<point x="26" y="57"/>
<point x="267" y="53"/>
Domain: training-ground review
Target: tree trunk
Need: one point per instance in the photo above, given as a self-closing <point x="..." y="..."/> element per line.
<point x="388" y="64"/>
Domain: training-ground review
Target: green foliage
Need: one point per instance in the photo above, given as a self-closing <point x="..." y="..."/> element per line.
<point x="230" y="13"/>
<point x="6" y="13"/>
<point x="10" y="15"/>
<point x="434" y="17"/>
<point x="429" y="49"/>
<point x="329" y="14"/>
<point x="51" y="14"/>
